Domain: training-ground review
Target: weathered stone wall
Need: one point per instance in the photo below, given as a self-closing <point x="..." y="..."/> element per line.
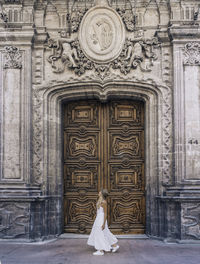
<point x="45" y="60"/>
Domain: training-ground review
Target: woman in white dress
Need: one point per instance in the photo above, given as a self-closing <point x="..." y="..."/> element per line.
<point x="101" y="237"/>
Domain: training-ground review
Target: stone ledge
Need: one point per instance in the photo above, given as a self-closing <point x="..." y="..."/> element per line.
<point x="78" y="236"/>
<point x="27" y="198"/>
<point x="179" y="199"/>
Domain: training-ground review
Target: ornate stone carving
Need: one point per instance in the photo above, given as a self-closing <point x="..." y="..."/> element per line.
<point x="12" y="58"/>
<point x="101" y="34"/>
<point x="68" y="53"/>
<point x="192" y="53"/>
<point x="14" y="220"/>
<point x="76" y="19"/>
<point x="4" y="17"/>
<point x="167" y="138"/>
<point x="128" y="18"/>
<point x="37" y="138"/>
<point x="191" y="220"/>
<point x="136" y="54"/>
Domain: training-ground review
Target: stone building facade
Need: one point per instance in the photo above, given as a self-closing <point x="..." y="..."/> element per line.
<point x="92" y="86"/>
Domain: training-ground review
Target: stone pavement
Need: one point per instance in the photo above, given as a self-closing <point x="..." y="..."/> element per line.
<point x="75" y="251"/>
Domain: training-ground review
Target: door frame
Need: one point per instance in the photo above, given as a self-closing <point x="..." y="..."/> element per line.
<point x="154" y="120"/>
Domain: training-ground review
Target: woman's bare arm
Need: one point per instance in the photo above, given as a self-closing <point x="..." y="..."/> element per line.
<point x="104" y="205"/>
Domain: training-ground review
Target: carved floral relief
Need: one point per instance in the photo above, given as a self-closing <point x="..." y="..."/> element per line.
<point x="192" y="53"/>
<point x="12" y="58"/>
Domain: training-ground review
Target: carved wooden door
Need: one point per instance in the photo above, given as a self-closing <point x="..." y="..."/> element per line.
<point x="104" y="147"/>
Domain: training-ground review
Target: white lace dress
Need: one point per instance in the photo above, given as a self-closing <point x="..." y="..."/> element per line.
<point x="101" y="239"/>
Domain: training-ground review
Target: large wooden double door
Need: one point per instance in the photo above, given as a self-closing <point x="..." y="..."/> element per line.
<point x="104" y="147"/>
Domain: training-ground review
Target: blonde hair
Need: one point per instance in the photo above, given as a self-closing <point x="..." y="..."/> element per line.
<point x="103" y="197"/>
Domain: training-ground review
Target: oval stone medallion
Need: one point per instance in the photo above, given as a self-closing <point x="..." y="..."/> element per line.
<point x="102" y="34"/>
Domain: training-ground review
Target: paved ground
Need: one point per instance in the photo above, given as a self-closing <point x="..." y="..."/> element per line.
<point x="75" y="251"/>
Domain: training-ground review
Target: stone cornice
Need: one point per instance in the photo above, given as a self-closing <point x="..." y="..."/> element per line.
<point x="184" y="32"/>
<point x="17" y="36"/>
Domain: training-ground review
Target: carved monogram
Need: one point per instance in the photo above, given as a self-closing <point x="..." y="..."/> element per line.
<point x="102" y="34"/>
<point x="12" y="58"/>
<point x="192" y="53"/>
<point x="68" y="53"/>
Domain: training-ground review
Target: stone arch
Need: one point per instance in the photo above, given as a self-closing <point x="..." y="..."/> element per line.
<point x="52" y="139"/>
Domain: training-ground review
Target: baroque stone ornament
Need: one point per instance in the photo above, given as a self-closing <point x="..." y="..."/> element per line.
<point x="191" y="220"/>
<point x="68" y="53"/>
<point x="12" y="58"/>
<point x="128" y="18"/>
<point x="14" y="219"/>
<point x="102" y="34"/>
<point x="192" y="53"/>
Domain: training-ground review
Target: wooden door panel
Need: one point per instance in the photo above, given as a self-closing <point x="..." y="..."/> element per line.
<point x="81" y="213"/>
<point x="126" y="177"/>
<point x="104" y="147"/>
<point x="127" y="214"/>
<point x="82" y="113"/>
<point x="126" y="113"/>
<point x="122" y="145"/>
<point x="80" y="177"/>
<point x="79" y="145"/>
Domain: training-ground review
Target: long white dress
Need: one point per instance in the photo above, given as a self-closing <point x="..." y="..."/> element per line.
<point x="101" y="239"/>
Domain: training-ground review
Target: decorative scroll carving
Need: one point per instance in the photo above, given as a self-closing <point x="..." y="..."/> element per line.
<point x="12" y="58"/>
<point x="191" y="220"/>
<point x="192" y="53"/>
<point x="37" y="137"/>
<point x="134" y="55"/>
<point x="128" y="18"/>
<point x="14" y="220"/>
<point x="167" y="139"/>
<point x="68" y="53"/>
<point x="76" y="18"/>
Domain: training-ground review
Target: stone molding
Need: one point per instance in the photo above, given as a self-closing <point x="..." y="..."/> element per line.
<point x="192" y="54"/>
<point x="12" y="58"/>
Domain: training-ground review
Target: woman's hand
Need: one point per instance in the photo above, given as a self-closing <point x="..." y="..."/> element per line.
<point x="103" y="227"/>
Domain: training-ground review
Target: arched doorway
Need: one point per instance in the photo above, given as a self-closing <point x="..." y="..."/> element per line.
<point x="104" y="147"/>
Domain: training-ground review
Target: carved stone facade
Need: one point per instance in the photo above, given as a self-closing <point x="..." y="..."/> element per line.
<point x="53" y="52"/>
